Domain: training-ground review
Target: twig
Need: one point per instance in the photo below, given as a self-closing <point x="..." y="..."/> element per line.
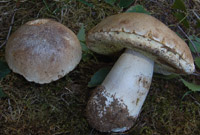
<point x="91" y="132"/>
<point x="61" y="16"/>
<point x="9" y="106"/>
<point x="135" y="2"/>
<point x="4" y="1"/>
<point x="196" y="73"/>
<point x="9" y="31"/>
<point x="196" y="14"/>
<point x="195" y="100"/>
<point x="62" y="98"/>
<point x="189" y="40"/>
<point x="69" y="90"/>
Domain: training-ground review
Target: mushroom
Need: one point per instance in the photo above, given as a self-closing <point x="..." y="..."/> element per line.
<point x="116" y="103"/>
<point x="43" y="50"/>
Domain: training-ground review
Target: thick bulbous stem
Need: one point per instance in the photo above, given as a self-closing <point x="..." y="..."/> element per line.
<point x="116" y="103"/>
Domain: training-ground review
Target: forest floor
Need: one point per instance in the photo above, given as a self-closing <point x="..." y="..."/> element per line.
<point x="58" y="108"/>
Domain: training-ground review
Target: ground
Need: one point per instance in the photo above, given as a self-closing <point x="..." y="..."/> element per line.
<point x="58" y="108"/>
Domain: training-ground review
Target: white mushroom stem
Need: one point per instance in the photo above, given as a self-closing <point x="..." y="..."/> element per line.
<point x="130" y="79"/>
<point x="128" y="83"/>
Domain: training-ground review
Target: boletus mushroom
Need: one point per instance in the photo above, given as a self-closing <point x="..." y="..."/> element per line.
<point x="43" y="51"/>
<point x="116" y="103"/>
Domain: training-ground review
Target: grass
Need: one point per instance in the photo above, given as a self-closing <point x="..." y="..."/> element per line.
<point x="59" y="108"/>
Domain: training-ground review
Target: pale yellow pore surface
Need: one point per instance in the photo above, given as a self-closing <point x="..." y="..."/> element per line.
<point x="145" y="34"/>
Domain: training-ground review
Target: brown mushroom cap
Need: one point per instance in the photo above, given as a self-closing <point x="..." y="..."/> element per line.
<point x="43" y="50"/>
<point x="143" y="33"/>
